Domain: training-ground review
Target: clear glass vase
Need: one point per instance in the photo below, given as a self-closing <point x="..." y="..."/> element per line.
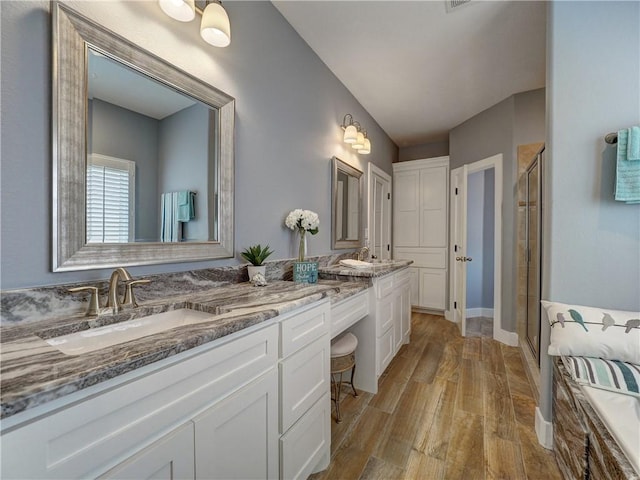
<point x="302" y="245"/>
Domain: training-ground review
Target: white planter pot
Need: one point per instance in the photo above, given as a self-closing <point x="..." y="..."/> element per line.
<point x="253" y="270"/>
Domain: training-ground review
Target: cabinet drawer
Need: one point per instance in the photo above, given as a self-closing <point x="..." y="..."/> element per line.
<point x="348" y="312"/>
<point x="88" y="438"/>
<point x="402" y="278"/>
<point x="304" y="378"/>
<point x="423" y="257"/>
<point x="302" y="447"/>
<point x="385" y="350"/>
<point x="384" y="286"/>
<point x="303" y="328"/>
<point x="385" y="317"/>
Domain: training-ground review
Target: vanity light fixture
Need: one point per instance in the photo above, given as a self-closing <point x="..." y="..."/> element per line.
<point x="215" y="28"/>
<point x="355" y="135"/>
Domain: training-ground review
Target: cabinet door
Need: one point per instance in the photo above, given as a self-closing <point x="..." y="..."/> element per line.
<point x="405" y="315"/>
<point x="433" y="207"/>
<point x="170" y="458"/>
<point x="397" y="323"/>
<point x="433" y="288"/>
<point x="384" y="353"/>
<point x="415" y="286"/>
<point x="406" y="205"/>
<point x="238" y="436"/>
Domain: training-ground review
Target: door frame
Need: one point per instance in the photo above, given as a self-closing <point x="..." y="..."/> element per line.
<point x="372" y="172"/>
<point x="499" y="334"/>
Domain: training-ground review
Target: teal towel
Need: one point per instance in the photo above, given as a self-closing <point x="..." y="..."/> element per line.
<point x="627" y="172"/>
<point x="186" y="209"/>
<point x="633" y="144"/>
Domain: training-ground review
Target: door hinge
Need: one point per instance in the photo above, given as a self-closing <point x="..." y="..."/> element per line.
<point x="456" y="190"/>
<point x="388" y="247"/>
<point x="388" y="196"/>
<point x="455" y="305"/>
<point x="455" y="248"/>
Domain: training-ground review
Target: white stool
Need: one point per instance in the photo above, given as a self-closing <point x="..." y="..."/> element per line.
<point x="343" y="358"/>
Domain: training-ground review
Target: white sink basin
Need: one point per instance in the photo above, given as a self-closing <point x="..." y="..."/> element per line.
<point x="93" y="339"/>
<point x="355" y="263"/>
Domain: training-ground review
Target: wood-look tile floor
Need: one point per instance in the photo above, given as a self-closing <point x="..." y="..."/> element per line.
<point x="448" y="407"/>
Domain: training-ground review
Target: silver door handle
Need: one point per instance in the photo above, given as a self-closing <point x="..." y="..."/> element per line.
<point x="463" y="259"/>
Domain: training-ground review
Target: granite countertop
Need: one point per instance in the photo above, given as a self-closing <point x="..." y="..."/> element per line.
<point x="337" y="271"/>
<point x="33" y="372"/>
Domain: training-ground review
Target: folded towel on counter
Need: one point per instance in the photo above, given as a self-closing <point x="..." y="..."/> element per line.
<point x="627" y="172"/>
<point x="186" y="209"/>
<point x="633" y="144"/>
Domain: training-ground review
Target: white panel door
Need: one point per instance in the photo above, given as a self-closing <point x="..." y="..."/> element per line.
<point x="170" y="458"/>
<point x="433" y="207"/>
<point x="238" y="436"/>
<point x="407" y="209"/>
<point x="458" y="252"/>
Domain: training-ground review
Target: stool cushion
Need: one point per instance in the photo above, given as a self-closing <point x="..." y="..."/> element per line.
<point x="344" y="345"/>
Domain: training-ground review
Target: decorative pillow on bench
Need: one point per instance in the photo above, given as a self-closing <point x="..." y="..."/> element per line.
<point x="612" y="375"/>
<point x="593" y="332"/>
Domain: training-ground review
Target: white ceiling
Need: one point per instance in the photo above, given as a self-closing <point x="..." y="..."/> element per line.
<point x="418" y="70"/>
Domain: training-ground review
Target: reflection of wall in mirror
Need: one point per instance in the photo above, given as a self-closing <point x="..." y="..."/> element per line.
<point x="184" y="163"/>
<point x="171" y="154"/>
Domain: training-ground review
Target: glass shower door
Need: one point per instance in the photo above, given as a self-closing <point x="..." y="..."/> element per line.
<point x="533" y="252"/>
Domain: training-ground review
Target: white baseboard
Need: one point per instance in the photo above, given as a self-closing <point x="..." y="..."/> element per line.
<point x="503" y="336"/>
<point x="544" y="431"/>
<point x="448" y="316"/>
<point x="479" y="312"/>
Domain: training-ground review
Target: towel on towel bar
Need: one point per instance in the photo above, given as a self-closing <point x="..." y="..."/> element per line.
<point x="627" y="171"/>
<point x="186" y="210"/>
<point x="633" y="144"/>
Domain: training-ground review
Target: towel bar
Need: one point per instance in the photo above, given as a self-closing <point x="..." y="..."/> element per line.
<point x="611" y="138"/>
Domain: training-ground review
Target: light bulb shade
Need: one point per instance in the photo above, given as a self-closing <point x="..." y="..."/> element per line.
<point x="366" y="148"/>
<point x="350" y="134"/>
<point x="181" y="10"/>
<point x="215" y="28"/>
<point x="359" y="143"/>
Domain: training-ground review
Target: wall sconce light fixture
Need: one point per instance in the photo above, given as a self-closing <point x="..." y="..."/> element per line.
<point x="355" y="135"/>
<point x="215" y="27"/>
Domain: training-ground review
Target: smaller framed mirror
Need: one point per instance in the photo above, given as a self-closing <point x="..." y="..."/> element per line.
<point x="347" y="186"/>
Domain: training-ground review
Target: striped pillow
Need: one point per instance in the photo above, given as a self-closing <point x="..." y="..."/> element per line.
<point x="613" y="375"/>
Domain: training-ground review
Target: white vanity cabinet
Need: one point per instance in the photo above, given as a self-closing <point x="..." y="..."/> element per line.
<point x="421" y="225"/>
<point x="305" y="405"/>
<point x="392" y="307"/>
<point x="210" y="412"/>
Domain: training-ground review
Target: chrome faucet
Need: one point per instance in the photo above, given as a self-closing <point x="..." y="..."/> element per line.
<point x="361" y="253"/>
<point x="112" y="297"/>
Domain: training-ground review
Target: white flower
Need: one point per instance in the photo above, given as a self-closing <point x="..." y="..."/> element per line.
<point x="303" y="219"/>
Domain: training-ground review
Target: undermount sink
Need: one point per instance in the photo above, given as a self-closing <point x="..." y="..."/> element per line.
<point x="355" y="263"/>
<point x="93" y="339"/>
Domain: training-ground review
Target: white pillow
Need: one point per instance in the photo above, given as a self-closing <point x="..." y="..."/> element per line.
<point x="593" y="332"/>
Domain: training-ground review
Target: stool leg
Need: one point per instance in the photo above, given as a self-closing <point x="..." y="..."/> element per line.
<point x="353" y="372"/>
<point x="338" y="388"/>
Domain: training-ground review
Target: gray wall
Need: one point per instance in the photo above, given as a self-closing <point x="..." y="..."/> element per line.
<point x="489" y="222"/>
<point x="121" y="133"/>
<point x="591" y="244"/>
<point x="475" y="221"/>
<point x="480" y="235"/>
<point x="425" y="150"/>
<point x="288" y="110"/>
<point x="185" y="164"/>
<point x="516" y="120"/>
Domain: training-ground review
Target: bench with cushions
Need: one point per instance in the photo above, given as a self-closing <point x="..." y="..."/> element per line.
<point x="596" y="394"/>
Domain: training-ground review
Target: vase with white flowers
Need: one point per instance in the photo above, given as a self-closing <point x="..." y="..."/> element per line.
<point x="302" y="221"/>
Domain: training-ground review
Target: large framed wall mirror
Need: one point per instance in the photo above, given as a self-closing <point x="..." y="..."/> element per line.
<point x="143" y="160"/>
<point x="347" y="183"/>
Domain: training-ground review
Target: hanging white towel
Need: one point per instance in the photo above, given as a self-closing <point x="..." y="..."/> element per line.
<point x="170" y="230"/>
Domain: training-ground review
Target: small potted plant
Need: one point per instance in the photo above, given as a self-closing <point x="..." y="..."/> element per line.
<point x="256" y="255"/>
